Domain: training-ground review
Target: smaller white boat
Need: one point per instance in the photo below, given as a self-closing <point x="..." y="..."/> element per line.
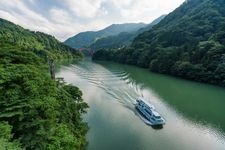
<point x="148" y="113"/>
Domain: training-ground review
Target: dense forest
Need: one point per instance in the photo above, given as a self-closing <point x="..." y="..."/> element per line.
<point x="40" y="43"/>
<point x="37" y="112"/>
<point x="188" y="43"/>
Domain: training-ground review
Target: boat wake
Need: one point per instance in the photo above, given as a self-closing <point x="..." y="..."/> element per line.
<point x="115" y="83"/>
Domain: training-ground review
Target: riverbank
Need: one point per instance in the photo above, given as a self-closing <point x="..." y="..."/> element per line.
<point x="110" y="89"/>
<point x="183" y="70"/>
<point x="36" y="111"/>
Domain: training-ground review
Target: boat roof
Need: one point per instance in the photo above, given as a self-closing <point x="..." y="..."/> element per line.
<point x="147" y="103"/>
<point x="155" y="113"/>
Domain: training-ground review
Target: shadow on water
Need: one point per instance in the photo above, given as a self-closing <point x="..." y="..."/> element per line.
<point x="194" y="100"/>
<point x="110" y="87"/>
<point x="117" y="84"/>
<point x="155" y="127"/>
<point x="158" y="127"/>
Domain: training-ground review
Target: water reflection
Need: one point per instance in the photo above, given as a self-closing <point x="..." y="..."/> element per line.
<point x="111" y="90"/>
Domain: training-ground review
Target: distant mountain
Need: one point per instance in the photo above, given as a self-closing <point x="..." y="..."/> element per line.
<point x="189" y="43"/>
<point x="85" y="39"/>
<point x="153" y="23"/>
<point x="116" y="41"/>
<point x="123" y="38"/>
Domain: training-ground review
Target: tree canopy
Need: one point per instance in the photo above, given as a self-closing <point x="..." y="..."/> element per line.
<point x="189" y="43"/>
<point x="37" y="112"/>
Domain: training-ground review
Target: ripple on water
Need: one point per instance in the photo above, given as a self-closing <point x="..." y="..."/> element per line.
<point x="118" y="85"/>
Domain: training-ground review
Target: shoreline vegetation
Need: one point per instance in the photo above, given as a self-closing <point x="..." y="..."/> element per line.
<point x="188" y="43"/>
<point x="37" y="112"/>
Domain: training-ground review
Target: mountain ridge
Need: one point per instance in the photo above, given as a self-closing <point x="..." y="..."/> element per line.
<point x="188" y="43"/>
<point x="12" y="34"/>
<point x="84" y="39"/>
<point x="122" y="39"/>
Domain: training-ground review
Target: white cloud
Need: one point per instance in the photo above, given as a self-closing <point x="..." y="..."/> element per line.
<point x="60" y="16"/>
<point x="8" y="16"/>
<point x="122" y="3"/>
<point x="84" y="8"/>
<point x="74" y="16"/>
<point x="60" y="23"/>
<point x="19" y="13"/>
<point x="145" y="10"/>
<point x="63" y="25"/>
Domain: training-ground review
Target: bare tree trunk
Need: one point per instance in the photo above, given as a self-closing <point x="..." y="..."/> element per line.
<point x="52" y="68"/>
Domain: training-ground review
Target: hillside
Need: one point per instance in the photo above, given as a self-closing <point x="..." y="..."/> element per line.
<point x="116" y="41"/>
<point x="149" y="26"/>
<point x="85" y="39"/>
<point x="37" y="112"/>
<point x="189" y="43"/>
<point x="122" y="39"/>
<point x="11" y="34"/>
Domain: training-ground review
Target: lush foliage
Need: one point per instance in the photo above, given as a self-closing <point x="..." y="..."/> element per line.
<point x="37" y="112"/>
<point x="40" y="43"/>
<point x="6" y="142"/>
<point x="189" y="43"/>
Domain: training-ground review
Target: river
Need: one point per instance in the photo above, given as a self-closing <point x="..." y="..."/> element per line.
<point x="194" y="112"/>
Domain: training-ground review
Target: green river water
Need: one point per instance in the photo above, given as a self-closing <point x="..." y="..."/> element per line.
<point x="194" y="112"/>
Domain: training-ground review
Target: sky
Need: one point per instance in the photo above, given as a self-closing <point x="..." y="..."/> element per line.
<point x="65" y="18"/>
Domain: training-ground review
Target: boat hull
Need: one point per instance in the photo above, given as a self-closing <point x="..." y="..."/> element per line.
<point x="146" y="120"/>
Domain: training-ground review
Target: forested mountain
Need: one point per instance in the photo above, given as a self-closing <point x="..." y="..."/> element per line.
<point x="149" y="26"/>
<point x="122" y="39"/>
<point x="116" y="41"/>
<point x="189" y="43"/>
<point x="37" y="112"/>
<point x="38" y="42"/>
<point x="85" y="39"/>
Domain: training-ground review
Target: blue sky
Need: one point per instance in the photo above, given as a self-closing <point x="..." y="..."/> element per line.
<point x="65" y="18"/>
